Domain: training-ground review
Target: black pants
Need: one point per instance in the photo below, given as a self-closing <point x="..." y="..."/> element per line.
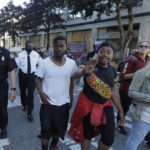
<point x="27" y="87"/>
<point x="126" y="101"/>
<point x="107" y="130"/>
<point x="54" y="120"/>
<point x="147" y="138"/>
<point x="3" y="104"/>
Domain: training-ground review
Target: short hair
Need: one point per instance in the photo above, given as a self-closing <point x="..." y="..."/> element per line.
<point x="29" y="41"/>
<point x="59" y="37"/>
<point x="139" y="43"/>
<point x="106" y="44"/>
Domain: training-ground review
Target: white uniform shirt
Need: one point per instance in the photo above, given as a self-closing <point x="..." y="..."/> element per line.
<point x="21" y="60"/>
<point x="56" y="80"/>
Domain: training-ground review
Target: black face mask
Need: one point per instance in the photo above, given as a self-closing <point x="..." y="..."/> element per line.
<point x="28" y="50"/>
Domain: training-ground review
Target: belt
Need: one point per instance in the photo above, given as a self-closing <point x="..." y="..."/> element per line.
<point x="26" y="73"/>
<point x="54" y="107"/>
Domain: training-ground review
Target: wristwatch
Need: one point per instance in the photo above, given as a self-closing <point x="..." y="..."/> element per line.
<point x="14" y="89"/>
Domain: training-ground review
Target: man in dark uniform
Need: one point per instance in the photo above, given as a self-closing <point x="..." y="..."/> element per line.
<point x="6" y="65"/>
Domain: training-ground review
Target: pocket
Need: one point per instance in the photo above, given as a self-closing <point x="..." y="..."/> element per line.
<point x="134" y="113"/>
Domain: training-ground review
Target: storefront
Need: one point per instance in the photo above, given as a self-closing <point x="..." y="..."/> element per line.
<point x="80" y="36"/>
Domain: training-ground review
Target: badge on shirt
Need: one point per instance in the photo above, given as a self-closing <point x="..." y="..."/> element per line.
<point x="33" y="56"/>
<point x="3" y="58"/>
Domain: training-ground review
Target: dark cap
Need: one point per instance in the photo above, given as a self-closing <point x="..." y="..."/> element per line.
<point x="29" y="41"/>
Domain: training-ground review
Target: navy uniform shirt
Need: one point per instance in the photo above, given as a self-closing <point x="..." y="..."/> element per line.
<point x="6" y="64"/>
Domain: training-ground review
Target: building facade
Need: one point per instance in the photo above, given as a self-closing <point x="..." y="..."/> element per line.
<point x="78" y="30"/>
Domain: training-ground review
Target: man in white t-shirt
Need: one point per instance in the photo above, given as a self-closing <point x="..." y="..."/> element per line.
<point x="55" y="86"/>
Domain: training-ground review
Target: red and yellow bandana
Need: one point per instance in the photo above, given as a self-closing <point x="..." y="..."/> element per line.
<point x="99" y="86"/>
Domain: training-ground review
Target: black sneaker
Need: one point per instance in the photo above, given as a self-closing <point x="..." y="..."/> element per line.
<point x="24" y="108"/>
<point x="30" y="117"/>
<point x="3" y="134"/>
<point x="148" y="144"/>
<point x="121" y="130"/>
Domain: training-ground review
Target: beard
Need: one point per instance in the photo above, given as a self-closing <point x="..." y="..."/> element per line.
<point x="58" y="56"/>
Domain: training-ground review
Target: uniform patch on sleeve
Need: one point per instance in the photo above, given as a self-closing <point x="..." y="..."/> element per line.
<point x="3" y="58"/>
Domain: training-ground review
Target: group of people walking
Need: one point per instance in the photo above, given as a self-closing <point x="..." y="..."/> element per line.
<point x="93" y="114"/>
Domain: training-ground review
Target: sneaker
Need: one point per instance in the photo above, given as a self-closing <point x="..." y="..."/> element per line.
<point x="121" y="130"/>
<point x="148" y="144"/>
<point x="53" y="147"/>
<point x="3" y="134"/>
<point x="23" y="108"/>
<point x="30" y="117"/>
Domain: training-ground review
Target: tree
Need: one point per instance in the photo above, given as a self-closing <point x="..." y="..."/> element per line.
<point x="29" y="22"/>
<point x="9" y="17"/>
<point x="43" y="15"/>
<point x="4" y="24"/>
<point x="109" y="6"/>
<point x="14" y="15"/>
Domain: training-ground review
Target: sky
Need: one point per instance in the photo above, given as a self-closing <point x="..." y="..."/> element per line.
<point x="16" y="2"/>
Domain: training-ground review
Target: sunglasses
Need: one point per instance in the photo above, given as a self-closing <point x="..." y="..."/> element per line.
<point x="144" y="46"/>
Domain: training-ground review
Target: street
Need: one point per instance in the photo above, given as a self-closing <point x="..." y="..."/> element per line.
<point x="108" y="42"/>
<point x="22" y="135"/>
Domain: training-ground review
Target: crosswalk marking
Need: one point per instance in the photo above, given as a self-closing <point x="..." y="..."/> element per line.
<point x="16" y="102"/>
<point x="128" y="119"/>
<point x="71" y="144"/>
<point x="74" y="146"/>
<point x="68" y="141"/>
<point x="3" y="142"/>
<point x="128" y="125"/>
<point x="94" y="144"/>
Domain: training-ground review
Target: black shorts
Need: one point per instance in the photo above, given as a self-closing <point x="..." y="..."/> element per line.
<point x="107" y="130"/>
<point x="54" y="120"/>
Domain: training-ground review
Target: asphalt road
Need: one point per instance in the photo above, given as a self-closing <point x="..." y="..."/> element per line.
<point x="22" y="135"/>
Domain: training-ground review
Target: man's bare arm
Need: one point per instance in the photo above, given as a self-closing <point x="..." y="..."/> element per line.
<point x="44" y="96"/>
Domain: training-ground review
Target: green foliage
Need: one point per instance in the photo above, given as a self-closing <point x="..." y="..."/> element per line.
<point x="100" y="6"/>
<point x="87" y="6"/>
<point x="42" y="15"/>
<point x="107" y="7"/>
<point x="29" y="22"/>
<point x="9" y="18"/>
<point x="37" y="15"/>
<point x="14" y="14"/>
